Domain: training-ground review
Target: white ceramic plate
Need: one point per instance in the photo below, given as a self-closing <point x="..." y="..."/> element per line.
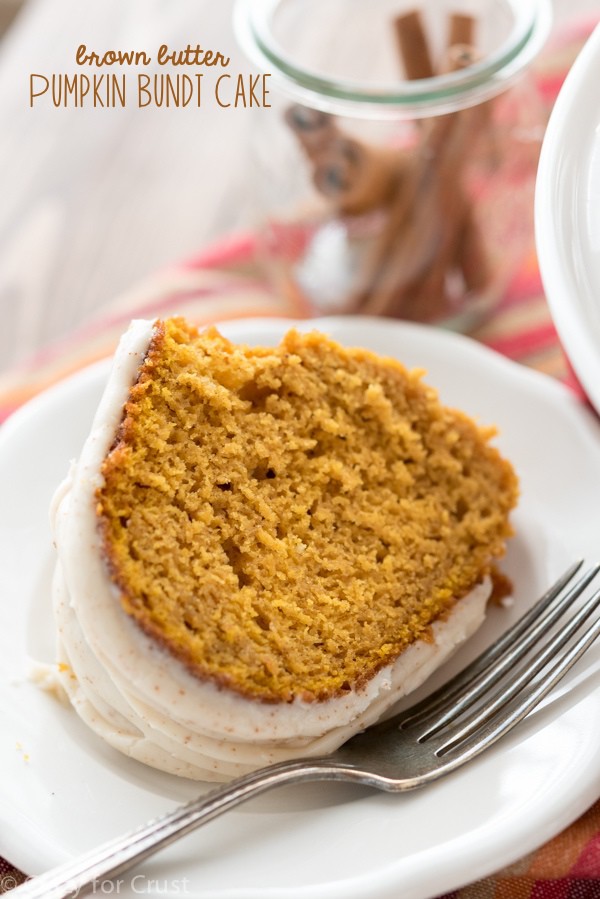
<point x="567" y="216"/>
<point x="62" y="791"/>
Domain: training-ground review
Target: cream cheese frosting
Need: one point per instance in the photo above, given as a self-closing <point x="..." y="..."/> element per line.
<point x="144" y="702"/>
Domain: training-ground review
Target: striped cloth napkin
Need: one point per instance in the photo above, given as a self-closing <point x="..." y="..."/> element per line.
<point x="222" y="283"/>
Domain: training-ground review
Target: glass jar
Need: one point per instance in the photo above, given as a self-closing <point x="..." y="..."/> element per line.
<point x="395" y="167"/>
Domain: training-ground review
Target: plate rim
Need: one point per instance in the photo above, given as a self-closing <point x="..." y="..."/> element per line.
<point x="553" y="191"/>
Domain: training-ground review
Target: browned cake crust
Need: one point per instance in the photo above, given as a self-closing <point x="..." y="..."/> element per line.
<point x="287" y="521"/>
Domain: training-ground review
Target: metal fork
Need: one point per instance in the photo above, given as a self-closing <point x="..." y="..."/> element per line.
<point x="431" y="739"/>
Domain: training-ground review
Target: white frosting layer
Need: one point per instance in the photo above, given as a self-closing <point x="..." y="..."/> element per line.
<point x="139" y="698"/>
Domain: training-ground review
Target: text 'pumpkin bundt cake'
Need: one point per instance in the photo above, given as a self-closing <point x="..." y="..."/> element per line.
<point x="260" y="550"/>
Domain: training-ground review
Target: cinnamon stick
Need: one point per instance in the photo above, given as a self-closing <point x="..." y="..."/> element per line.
<point x="313" y="128"/>
<point x="413" y="47"/>
<point x="461" y="30"/>
<point x="354" y="176"/>
<point x="357" y="177"/>
<point x="472" y="256"/>
<point x="463" y="55"/>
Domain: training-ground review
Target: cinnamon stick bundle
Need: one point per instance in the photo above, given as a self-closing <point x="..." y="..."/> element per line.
<point x="413" y="46"/>
<point x="431" y="239"/>
<point x="431" y="236"/>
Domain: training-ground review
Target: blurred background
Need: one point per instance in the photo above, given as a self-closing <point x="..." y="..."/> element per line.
<point x="91" y="200"/>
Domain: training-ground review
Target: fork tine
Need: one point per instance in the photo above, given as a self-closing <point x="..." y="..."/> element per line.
<point x="475" y="725"/>
<point x="447" y="693"/>
<point x="464" y="689"/>
<point x="515" y="712"/>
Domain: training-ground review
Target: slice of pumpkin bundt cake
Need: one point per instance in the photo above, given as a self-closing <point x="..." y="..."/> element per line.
<point x="261" y="549"/>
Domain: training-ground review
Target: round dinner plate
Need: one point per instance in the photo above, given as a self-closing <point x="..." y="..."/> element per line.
<point x="63" y="791"/>
<point x="567" y="216"/>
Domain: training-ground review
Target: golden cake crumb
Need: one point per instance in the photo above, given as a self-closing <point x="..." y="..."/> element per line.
<point x="287" y="521"/>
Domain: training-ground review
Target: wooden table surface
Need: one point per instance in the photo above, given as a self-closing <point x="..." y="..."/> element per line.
<point x="93" y="200"/>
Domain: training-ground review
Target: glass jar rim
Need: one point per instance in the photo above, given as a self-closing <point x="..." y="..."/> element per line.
<point x="426" y="96"/>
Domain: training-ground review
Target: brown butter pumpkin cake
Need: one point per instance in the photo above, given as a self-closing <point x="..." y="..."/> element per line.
<point x="282" y="542"/>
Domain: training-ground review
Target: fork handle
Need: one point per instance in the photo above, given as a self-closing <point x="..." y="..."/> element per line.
<point x="79" y="876"/>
